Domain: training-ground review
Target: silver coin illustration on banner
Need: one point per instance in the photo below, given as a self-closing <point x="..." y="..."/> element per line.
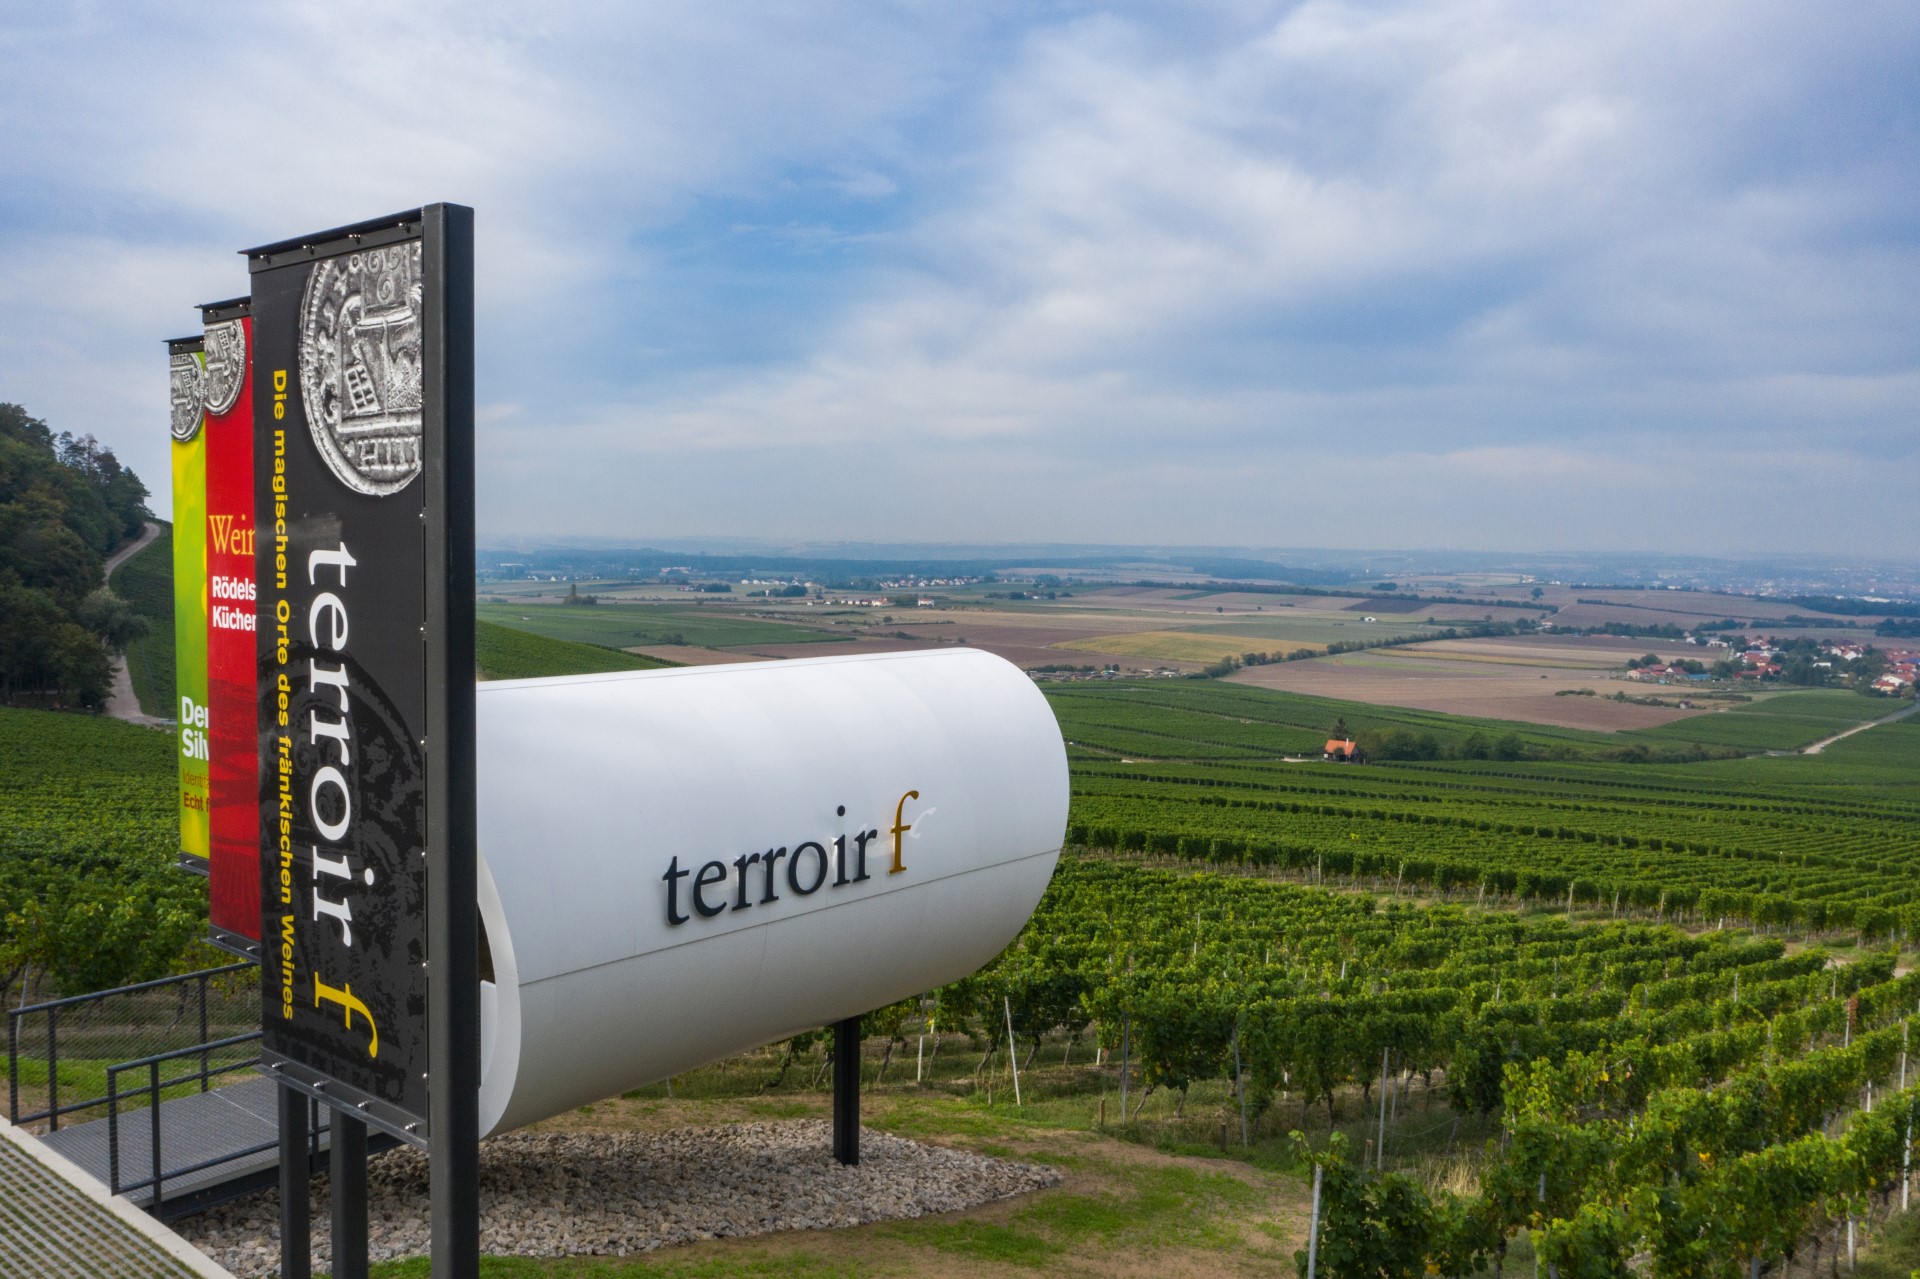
<point x="185" y="388"/>
<point x="360" y="365"/>
<point x="226" y="352"/>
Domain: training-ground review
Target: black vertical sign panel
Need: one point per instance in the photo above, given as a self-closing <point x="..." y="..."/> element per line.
<point x="345" y="329"/>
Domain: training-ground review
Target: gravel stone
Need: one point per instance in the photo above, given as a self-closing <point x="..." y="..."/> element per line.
<point x="616" y="1193"/>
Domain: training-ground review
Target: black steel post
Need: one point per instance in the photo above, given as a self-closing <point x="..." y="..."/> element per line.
<point x="53" y="1069"/>
<point x="453" y="914"/>
<point x="204" y="1084"/>
<point x="846" y="1091"/>
<point x="296" y="1209"/>
<point x="113" y="1132"/>
<point x="348" y="1175"/>
<point x="153" y="1117"/>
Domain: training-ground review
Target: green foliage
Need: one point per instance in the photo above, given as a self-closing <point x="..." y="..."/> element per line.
<point x="1660" y="1093"/>
<point x="89" y="890"/>
<point x="504" y="653"/>
<point x="1372" y="1227"/>
<point x="113" y="619"/>
<point x="65" y="503"/>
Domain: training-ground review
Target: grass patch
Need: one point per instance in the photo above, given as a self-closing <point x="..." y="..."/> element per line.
<point x="982" y="1240"/>
<point x="504" y="653"/>
<point x="1894" y="1252"/>
<point x="145" y="581"/>
<point x="1781" y="721"/>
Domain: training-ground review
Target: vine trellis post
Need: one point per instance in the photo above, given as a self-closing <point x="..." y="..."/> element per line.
<point x="1313" y="1222"/>
<point x="1013" y="1054"/>
<point x="1380" y="1148"/>
<point x="1239" y="1079"/>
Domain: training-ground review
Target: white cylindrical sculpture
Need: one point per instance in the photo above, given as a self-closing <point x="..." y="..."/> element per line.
<point x="681" y="864"/>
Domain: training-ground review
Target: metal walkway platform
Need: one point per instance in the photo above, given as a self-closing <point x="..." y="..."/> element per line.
<point x="214" y="1146"/>
<point x="55" y="1223"/>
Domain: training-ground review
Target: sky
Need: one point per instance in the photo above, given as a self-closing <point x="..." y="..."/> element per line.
<point x="1489" y="274"/>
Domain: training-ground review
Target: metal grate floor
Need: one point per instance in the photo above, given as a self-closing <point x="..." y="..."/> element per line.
<point x="55" y="1223"/>
<point x="193" y="1129"/>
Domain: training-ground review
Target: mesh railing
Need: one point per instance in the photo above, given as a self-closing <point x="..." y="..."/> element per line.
<point x="60" y="1052"/>
<point x="150" y="1077"/>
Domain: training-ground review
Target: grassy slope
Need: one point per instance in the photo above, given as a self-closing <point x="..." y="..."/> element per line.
<point x="1865" y="768"/>
<point x="146" y="582"/>
<point x="632" y="625"/>
<point x="1779" y="721"/>
<point x="505" y="653"/>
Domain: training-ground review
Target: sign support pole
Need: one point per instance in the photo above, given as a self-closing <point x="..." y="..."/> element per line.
<point x="846" y="1091"/>
<point x="347" y="1155"/>
<point x="296" y="1208"/>
<point x="453" y="913"/>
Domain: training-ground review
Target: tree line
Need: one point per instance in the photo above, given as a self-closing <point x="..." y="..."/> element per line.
<point x="66" y="503"/>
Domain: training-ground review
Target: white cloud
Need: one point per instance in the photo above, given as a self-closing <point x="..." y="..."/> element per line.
<point x="1156" y="262"/>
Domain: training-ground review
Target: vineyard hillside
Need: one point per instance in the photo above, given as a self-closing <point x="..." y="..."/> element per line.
<point x="1566" y="818"/>
<point x="1777" y="721"/>
<point x="1609" y="1003"/>
<point x="90" y="893"/>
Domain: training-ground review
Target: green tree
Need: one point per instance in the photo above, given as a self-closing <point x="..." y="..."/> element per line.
<point x="111" y="618"/>
<point x="65" y="502"/>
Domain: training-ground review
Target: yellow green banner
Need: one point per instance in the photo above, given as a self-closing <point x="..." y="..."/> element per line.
<point x="190" y="597"/>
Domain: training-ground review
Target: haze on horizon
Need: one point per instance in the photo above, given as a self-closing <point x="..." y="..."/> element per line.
<point x="1483" y="274"/>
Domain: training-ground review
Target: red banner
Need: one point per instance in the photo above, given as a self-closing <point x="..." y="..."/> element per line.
<point x="234" y="872"/>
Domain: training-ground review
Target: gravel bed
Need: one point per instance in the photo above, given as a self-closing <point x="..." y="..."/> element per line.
<point x="563" y="1194"/>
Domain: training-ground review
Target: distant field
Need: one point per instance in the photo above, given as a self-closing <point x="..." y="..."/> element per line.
<point x="1285" y="630"/>
<point x="1295" y="627"/>
<point x="1778" y="721"/>
<point x="1190" y="646"/>
<point x="146" y="582"/>
<point x="1562" y="652"/>
<point x="1509" y="677"/>
<point x="504" y="653"/>
<point x="635" y="625"/>
<point x="1211" y="719"/>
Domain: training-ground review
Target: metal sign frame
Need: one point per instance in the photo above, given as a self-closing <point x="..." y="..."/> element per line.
<point x="450" y="1127"/>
